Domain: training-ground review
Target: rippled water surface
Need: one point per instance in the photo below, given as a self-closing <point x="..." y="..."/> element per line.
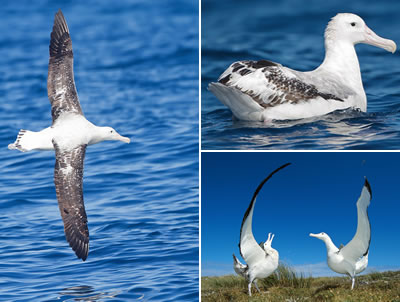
<point x="136" y="69"/>
<point x="291" y="32"/>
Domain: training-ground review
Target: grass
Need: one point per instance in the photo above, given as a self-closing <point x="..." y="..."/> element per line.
<point x="287" y="286"/>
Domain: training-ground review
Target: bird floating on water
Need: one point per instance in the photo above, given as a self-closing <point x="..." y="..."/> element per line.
<point x="69" y="135"/>
<point x="352" y="258"/>
<point x="265" y="91"/>
<point x="262" y="260"/>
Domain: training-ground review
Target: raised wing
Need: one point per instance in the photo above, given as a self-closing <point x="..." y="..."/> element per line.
<point x="68" y="179"/>
<point x="60" y="81"/>
<point x="359" y="246"/>
<point x="270" y="84"/>
<point x="250" y="250"/>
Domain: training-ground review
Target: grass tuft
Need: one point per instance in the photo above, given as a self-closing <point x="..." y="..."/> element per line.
<point x="288" y="286"/>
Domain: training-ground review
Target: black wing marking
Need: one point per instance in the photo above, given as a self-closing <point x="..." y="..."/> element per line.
<point x="68" y="179"/>
<point x="276" y="88"/>
<point x="251" y="206"/>
<point x="60" y="82"/>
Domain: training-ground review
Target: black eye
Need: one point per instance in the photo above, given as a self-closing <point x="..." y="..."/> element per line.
<point x="111" y="131"/>
<point x="353" y="23"/>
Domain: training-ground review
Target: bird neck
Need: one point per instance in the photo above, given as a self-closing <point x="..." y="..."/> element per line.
<point x="341" y="59"/>
<point x="330" y="246"/>
<point x="97" y="135"/>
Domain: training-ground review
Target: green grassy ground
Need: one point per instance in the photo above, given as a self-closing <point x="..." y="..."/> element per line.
<point x="288" y="286"/>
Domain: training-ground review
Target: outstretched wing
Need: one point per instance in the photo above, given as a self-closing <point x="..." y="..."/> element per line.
<point x="270" y="84"/>
<point x="359" y="245"/>
<point x="60" y="81"/>
<point x="250" y="250"/>
<point x="68" y="179"/>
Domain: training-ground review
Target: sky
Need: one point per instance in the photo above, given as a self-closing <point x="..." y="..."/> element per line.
<point x="316" y="193"/>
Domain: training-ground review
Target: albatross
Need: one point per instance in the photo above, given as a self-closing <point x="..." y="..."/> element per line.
<point x="69" y="135"/>
<point x="265" y="91"/>
<point x="262" y="260"/>
<point x="352" y="258"/>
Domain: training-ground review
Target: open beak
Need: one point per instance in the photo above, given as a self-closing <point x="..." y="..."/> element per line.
<point x="372" y="38"/>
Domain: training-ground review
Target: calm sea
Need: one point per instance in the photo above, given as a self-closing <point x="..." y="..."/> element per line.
<point x="136" y="69"/>
<point x="291" y="32"/>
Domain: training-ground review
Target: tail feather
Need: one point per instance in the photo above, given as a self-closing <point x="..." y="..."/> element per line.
<point x="242" y="105"/>
<point x="18" y="142"/>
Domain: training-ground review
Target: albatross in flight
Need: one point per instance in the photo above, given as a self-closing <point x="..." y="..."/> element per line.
<point x="69" y="135"/>
<point x="262" y="260"/>
<point x="265" y="91"/>
<point x="352" y="258"/>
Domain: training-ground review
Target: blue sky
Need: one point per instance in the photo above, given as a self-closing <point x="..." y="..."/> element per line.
<point x="317" y="193"/>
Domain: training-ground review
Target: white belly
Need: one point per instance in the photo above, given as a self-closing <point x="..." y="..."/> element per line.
<point x="309" y="109"/>
<point x="70" y="131"/>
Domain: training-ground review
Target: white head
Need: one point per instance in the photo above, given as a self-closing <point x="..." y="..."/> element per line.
<point x="323" y="236"/>
<point x="268" y="248"/>
<point x="268" y="243"/>
<point x="109" y="134"/>
<point x="351" y="28"/>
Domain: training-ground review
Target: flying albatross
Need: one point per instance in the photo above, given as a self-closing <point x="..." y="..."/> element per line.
<point x="352" y="258"/>
<point x="265" y="91"/>
<point x="262" y="260"/>
<point x="69" y="135"/>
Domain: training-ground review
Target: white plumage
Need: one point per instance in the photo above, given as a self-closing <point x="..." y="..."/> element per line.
<point x="352" y="259"/>
<point x="265" y="91"/>
<point x="69" y="135"/>
<point x="262" y="260"/>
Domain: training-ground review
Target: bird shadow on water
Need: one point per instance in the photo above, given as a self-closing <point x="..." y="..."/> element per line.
<point x="88" y="293"/>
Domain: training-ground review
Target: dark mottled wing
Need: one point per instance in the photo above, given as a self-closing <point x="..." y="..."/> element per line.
<point x="250" y="250"/>
<point x="60" y="82"/>
<point x="270" y="84"/>
<point x="68" y="178"/>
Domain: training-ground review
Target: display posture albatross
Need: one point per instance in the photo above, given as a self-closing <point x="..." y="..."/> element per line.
<point x="69" y="135"/>
<point x="352" y="258"/>
<point x="266" y="91"/>
<point x="262" y="260"/>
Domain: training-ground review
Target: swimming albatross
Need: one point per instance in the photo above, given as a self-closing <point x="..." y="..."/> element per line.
<point x="262" y="260"/>
<point x="69" y="135"/>
<point x="352" y="258"/>
<point x="266" y="91"/>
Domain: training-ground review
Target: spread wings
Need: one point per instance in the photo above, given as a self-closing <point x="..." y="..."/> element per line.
<point x="60" y="81"/>
<point x="68" y="179"/>
<point x="359" y="245"/>
<point x="270" y="84"/>
<point x="249" y="248"/>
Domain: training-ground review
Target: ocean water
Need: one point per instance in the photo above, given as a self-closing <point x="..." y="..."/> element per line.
<point x="291" y="33"/>
<point x="136" y="69"/>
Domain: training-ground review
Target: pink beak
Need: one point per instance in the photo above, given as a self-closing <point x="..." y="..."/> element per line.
<point x="372" y="38"/>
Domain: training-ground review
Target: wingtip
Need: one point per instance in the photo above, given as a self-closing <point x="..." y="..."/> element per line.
<point x="81" y="253"/>
<point x="79" y="245"/>
<point x="267" y="178"/>
<point x="59" y="16"/>
<point x="58" y="36"/>
<point x="368" y="186"/>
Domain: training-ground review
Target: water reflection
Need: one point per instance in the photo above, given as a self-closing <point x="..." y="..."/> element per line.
<point x="85" y="293"/>
<point x="342" y="129"/>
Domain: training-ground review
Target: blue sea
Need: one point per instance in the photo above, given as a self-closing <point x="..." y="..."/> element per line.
<point x="291" y="32"/>
<point x="136" y="69"/>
